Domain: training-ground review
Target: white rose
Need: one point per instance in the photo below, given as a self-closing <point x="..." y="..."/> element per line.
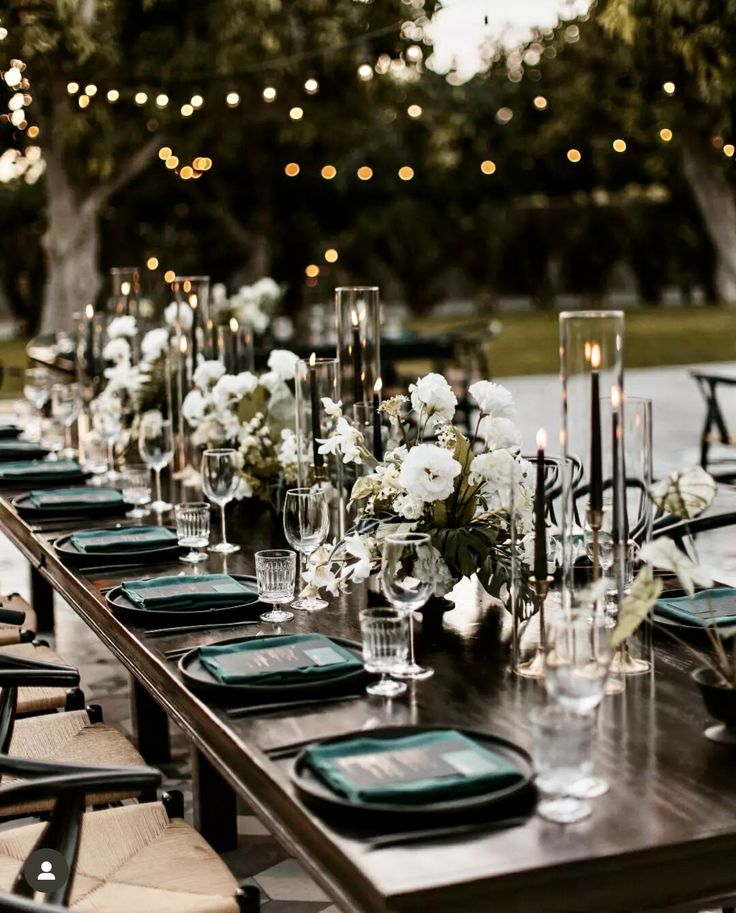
<point x="249" y="312"/>
<point x="155" y="343"/>
<point x="495" y="469"/>
<point x="493" y="399"/>
<point x="283" y="362"/>
<point x="433" y="395"/>
<point x="208" y="373"/>
<point x="219" y="294"/>
<point x="117" y="351"/>
<point x="428" y="472"/>
<point x="232" y="387"/>
<point x="193" y="407"/>
<point x="499" y="433"/>
<point x="409" y="507"/>
<point x="179" y="313"/>
<point x="266" y="289"/>
<point x="124" y="326"/>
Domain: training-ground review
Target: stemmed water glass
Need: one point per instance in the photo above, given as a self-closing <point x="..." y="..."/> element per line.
<point x="107" y="421"/>
<point x="219" y="483"/>
<point x="562" y="748"/>
<point x="577" y="665"/>
<point x="193" y="530"/>
<point x="65" y="405"/>
<point x="408" y="581"/>
<point x="306" y="524"/>
<point x="276" y="576"/>
<point x="36" y="385"/>
<point x="52" y="437"/>
<point x="156" y="447"/>
<point x="136" y="489"/>
<point x="385" y="648"/>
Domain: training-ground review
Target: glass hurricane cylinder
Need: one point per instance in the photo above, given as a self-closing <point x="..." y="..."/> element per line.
<point x="91" y="339"/>
<point x="591" y="366"/>
<point x="125" y="290"/>
<point x="358" y="316"/>
<point x="316" y="380"/>
<point x="234" y="347"/>
<point x="193" y="313"/>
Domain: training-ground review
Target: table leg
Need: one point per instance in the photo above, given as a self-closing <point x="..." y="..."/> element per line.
<point x="215" y="807"/>
<point x="42" y="601"/>
<point x="150" y="725"/>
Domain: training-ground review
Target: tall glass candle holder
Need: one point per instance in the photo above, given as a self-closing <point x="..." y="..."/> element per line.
<point x="192" y="317"/>
<point x="125" y="292"/>
<point x="235" y="347"/>
<point x="358" y="315"/>
<point x="591" y="365"/>
<point x="317" y="379"/>
<point x="91" y="339"/>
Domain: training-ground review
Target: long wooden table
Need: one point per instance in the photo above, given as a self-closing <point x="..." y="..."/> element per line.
<point x="663" y="837"/>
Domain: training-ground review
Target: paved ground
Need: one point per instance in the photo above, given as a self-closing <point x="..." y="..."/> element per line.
<point x="678" y="413"/>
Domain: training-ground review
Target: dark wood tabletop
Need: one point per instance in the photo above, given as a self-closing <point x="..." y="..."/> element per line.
<point x="663" y="837"/>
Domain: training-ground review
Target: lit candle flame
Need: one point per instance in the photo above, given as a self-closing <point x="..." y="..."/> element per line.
<point x="183" y="345"/>
<point x="378" y="386"/>
<point x="586" y="350"/>
<point x="615" y="397"/>
<point x="595" y="356"/>
<point x="312" y="359"/>
<point x="233" y="325"/>
<point x="125" y="288"/>
<point x="89" y="311"/>
<point x="355" y="320"/>
<point x="193" y="302"/>
<point x="541" y="439"/>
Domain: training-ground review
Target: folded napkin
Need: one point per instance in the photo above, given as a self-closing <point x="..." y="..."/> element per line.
<point x="284" y="660"/>
<point x="429" y="767"/>
<point x="39" y="469"/>
<point x="9" y="431"/>
<point x="11" y="449"/>
<point x="76" y="497"/>
<point x="187" y="593"/>
<point x="708" y="607"/>
<point x="135" y="539"/>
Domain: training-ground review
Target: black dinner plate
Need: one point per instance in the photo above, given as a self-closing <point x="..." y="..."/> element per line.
<point x="489" y="804"/>
<point x="148" y="555"/>
<point x="200" y="679"/>
<point x="27" y="482"/>
<point x="7" y="432"/>
<point x="122" y="605"/>
<point x="17" y="452"/>
<point x="25" y="508"/>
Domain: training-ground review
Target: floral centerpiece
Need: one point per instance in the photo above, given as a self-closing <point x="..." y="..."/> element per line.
<point x="254" y="414"/>
<point x="459" y="488"/>
<point x="251" y="304"/>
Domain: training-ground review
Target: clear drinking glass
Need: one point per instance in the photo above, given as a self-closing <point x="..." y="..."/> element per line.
<point x="65" y="405"/>
<point x="385" y="648"/>
<point x="95" y="458"/>
<point x="136" y="489"/>
<point x="156" y="447"/>
<point x="52" y="437"/>
<point x="306" y="524"/>
<point x="219" y="483"/>
<point x="408" y="581"/>
<point x="36" y="386"/>
<point x="108" y="423"/>
<point x="193" y="530"/>
<point x="276" y="576"/>
<point x="562" y="750"/>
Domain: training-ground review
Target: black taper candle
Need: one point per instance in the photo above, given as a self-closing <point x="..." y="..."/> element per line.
<point x="314" y="399"/>
<point x="596" y="472"/>
<point x="377" y="437"/>
<point x="616" y="447"/>
<point x="357" y="360"/>
<point x="540" y="512"/>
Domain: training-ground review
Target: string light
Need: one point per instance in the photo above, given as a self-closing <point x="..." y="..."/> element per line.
<point x="13" y="77"/>
<point x="414" y="111"/>
<point x="162" y="100"/>
<point x="328" y="172"/>
<point x="296" y="113"/>
<point x="365" y="72"/>
<point x="72" y="88"/>
<point x="91" y="90"/>
<point x="619" y="145"/>
<point x="414" y="53"/>
<point x="331" y="255"/>
<point x="164" y="152"/>
<point x="33" y="131"/>
<point x="140" y="98"/>
<point x="729" y="150"/>
<point x="311" y="86"/>
<point x="171" y="162"/>
<point x="152" y="263"/>
<point x="196" y="101"/>
<point x="406" y="172"/>
<point x="292" y="170"/>
<point x="232" y="99"/>
<point x="574" y="156"/>
<point x="312" y="271"/>
<point x="365" y="173"/>
<point x="488" y="167"/>
<point x="540" y="103"/>
<point x="113" y="95"/>
<point x="504" y="115"/>
<point x="665" y="134"/>
<point x="668" y="88"/>
<point x="186" y="110"/>
<point x="186" y="173"/>
<point x="269" y="94"/>
<point x="83" y="101"/>
<point x="169" y="275"/>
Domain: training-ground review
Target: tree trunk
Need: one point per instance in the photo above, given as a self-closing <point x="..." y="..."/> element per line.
<point x="72" y="245"/>
<point x="714" y="196"/>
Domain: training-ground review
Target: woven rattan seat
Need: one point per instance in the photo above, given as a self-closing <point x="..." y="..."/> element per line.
<point x="11" y="634"/>
<point x="134" y="859"/>
<point x="37" y="700"/>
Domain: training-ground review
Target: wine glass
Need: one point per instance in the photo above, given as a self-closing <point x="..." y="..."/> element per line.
<point x="52" y="437"/>
<point x="276" y="576"/>
<point x="306" y="524"/>
<point x="408" y="581"/>
<point x="107" y="420"/>
<point x="219" y="483"/>
<point x="385" y="648"/>
<point x="136" y="490"/>
<point x="193" y="530"/>
<point x="562" y="749"/>
<point x="36" y="384"/>
<point x="95" y="458"/>
<point x="577" y="664"/>
<point x="156" y="447"/>
<point x="65" y="405"/>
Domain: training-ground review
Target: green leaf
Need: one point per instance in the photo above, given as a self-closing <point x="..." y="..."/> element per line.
<point x="363" y="488"/>
<point x="645" y="591"/>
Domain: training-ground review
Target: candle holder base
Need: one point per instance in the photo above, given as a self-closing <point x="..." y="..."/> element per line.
<point x="532" y="668"/>
<point x="626" y="664"/>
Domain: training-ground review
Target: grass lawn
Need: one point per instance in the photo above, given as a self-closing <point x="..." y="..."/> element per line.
<point x="12" y="356"/>
<point x="529" y="342"/>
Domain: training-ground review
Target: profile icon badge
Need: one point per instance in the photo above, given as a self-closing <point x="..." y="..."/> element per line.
<point x="46" y="870"/>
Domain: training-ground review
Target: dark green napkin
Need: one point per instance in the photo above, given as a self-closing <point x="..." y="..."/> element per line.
<point x="135" y="539"/>
<point x="9" y="431"/>
<point x="172" y="594"/>
<point x="76" y="497"/>
<point x="429" y="767"/>
<point x="708" y="607"/>
<point x="14" y="449"/>
<point x="39" y="469"/>
<point x="278" y="660"/>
